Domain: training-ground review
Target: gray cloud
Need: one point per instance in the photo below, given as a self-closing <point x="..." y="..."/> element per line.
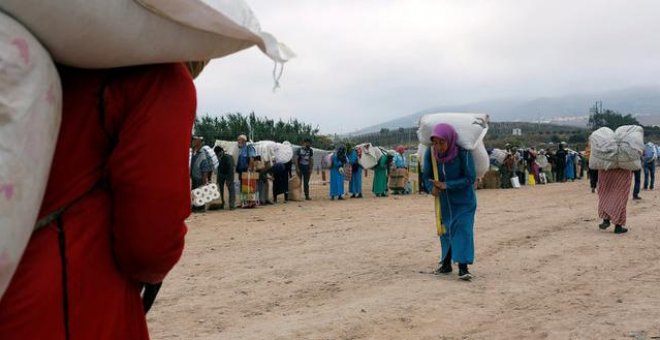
<point x="362" y="62"/>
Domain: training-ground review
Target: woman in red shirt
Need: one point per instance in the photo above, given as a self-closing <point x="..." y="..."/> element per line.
<point x="113" y="214"/>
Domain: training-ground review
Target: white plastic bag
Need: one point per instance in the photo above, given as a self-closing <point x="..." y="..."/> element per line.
<point x="105" y="34"/>
<point x="283" y="152"/>
<point x="30" y="113"/>
<point x="369" y="155"/>
<point x="471" y="127"/>
<point x="210" y="154"/>
<point x="620" y="149"/>
<point x="498" y="155"/>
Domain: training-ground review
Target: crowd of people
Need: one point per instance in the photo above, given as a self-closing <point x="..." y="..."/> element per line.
<point x="343" y="166"/>
<point x="530" y="166"/>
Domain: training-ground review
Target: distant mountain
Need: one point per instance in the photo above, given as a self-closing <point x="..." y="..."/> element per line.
<point x="642" y="101"/>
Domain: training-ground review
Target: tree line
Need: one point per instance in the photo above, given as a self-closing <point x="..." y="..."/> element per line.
<point x="229" y="126"/>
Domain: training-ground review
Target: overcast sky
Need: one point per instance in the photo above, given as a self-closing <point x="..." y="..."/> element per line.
<point x="362" y="62"/>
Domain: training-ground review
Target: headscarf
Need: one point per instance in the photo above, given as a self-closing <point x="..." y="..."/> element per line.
<point x="449" y="135"/>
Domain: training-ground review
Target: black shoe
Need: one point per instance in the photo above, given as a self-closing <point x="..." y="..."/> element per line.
<point x="604" y="225"/>
<point x="308" y="198"/>
<point x="593" y="190"/>
<point x="619" y="229"/>
<point x="359" y="196"/>
<point x="463" y="273"/>
<point x="352" y="195"/>
<point x="443" y="268"/>
<point x="332" y="198"/>
<point x="636" y="198"/>
<point x="340" y="198"/>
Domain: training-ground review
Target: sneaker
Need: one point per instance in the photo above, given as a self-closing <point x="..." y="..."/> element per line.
<point x="620" y="229"/>
<point x="604" y="225"/>
<point x="443" y="268"/>
<point x="464" y="274"/>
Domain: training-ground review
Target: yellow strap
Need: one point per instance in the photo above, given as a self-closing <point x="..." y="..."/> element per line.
<point x="438" y="208"/>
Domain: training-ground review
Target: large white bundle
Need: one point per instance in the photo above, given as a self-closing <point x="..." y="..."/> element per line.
<point x="471" y="127"/>
<point x="265" y="149"/>
<point x="369" y="155"/>
<point x="498" y="155"/>
<point x="30" y="113"/>
<point x="620" y="149"/>
<point x="210" y="154"/>
<point x="104" y="34"/>
<point x="283" y="152"/>
<point x="479" y="156"/>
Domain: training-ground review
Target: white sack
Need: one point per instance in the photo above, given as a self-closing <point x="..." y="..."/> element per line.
<point x="106" y="34"/>
<point x="210" y="154"/>
<point x="620" y="149"/>
<point x="498" y="155"/>
<point x="481" y="160"/>
<point x="479" y="156"/>
<point x="471" y="127"/>
<point x="369" y="155"/>
<point x="30" y="113"/>
<point x="283" y="152"/>
<point x="265" y="149"/>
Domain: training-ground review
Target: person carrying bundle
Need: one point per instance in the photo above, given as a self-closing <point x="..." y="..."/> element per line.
<point x="110" y="219"/>
<point x="355" y="184"/>
<point x="339" y="159"/>
<point x="449" y="174"/>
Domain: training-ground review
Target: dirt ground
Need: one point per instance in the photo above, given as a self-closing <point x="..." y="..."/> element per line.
<point x="359" y="269"/>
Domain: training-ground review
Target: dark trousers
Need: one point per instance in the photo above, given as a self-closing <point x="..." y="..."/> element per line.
<point x="306" y="173"/>
<point x="593" y="178"/>
<point x="561" y="168"/>
<point x="231" y="190"/>
<point x="649" y="173"/>
<point x="638" y="179"/>
<point x="521" y="177"/>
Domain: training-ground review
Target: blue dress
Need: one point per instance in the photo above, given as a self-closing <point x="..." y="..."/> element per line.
<point x="570" y="166"/>
<point x="458" y="204"/>
<point x="336" y="178"/>
<point x="355" y="185"/>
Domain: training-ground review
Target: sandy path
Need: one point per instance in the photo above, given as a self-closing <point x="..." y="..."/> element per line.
<point x="358" y="269"/>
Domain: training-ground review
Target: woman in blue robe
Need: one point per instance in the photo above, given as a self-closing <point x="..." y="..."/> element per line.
<point x="458" y="201"/>
<point x="355" y="185"/>
<point x="339" y="159"/>
<point x="570" y="166"/>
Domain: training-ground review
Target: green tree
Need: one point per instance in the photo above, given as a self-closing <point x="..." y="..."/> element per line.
<point x="610" y="119"/>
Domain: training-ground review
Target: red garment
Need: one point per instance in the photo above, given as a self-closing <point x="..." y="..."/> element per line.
<point x="132" y="229"/>
<point x="613" y="190"/>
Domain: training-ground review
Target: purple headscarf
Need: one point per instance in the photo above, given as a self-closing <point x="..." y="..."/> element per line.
<point x="446" y="132"/>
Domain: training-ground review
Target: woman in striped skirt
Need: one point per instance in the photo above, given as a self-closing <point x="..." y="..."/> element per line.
<point x="613" y="191"/>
